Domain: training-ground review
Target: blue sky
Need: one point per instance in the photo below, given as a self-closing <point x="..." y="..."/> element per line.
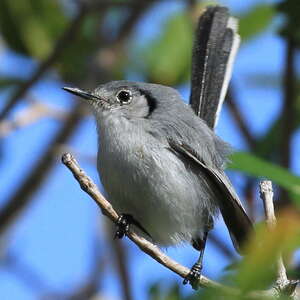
<point x="55" y="235"/>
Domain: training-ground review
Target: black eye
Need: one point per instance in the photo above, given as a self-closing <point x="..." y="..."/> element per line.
<point x="124" y="96"/>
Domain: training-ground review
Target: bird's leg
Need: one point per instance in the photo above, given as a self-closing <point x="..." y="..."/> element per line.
<point x="123" y="225"/>
<point x="196" y="269"/>
<point x="198" y="244"/>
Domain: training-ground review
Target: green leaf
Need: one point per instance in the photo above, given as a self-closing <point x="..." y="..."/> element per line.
<point x="258" y="167"/>
<point x="290" y="27"/>
<point x="257" y="271"/>
<point x="10" y="29"/>
<point x="31" y="27"/>
<point x="168" y="58"/>
<point x="269" y="143"/>
<point x="6" y="82"/>
<point x="83" y="44"/>
<point x="255" y="21"/>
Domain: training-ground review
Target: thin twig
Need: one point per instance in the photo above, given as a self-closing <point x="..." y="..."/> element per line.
<point x="29" y="115"/>
<point x="283" y="284"/>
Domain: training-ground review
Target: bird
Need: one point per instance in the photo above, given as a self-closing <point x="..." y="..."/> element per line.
<point x="160" y="162"/>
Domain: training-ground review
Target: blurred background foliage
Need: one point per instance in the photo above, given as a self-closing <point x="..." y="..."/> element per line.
<point x="55" y="248"/>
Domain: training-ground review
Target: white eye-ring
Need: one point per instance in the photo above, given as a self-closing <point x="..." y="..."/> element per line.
<point x="124" y="96"/>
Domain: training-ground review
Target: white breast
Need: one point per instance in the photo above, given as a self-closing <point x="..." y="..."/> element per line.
<point x="142" y="177"/>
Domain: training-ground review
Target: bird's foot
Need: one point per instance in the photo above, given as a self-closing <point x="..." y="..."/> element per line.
<point x="123" y="225"/>
<point x="193" y="276"/>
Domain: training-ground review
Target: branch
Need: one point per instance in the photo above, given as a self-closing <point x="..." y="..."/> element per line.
<point x="240" y="119"/>
<point x="90" y="288"/>
<point x="29" y="115"/>
<point x="283" y="284"/>
<point x="152" y="250"/>
<point x="46" y="64"/>
<point x="121" y="260"/>
<point x="23" y="195"/>
<point x="288" y="113"/>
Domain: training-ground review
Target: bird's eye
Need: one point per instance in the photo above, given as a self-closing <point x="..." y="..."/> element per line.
<point x="124" y="96"/>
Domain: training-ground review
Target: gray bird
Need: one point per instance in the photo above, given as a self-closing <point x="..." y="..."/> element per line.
<point x="162" y="166"/>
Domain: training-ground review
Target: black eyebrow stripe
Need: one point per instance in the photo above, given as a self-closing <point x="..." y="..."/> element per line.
<point x="152" y="103"/>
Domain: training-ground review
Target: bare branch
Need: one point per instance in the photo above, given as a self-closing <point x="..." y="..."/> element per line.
<point x="283" y="284"/>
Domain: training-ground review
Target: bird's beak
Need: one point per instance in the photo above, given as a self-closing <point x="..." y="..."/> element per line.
<point x="79" y="92"/>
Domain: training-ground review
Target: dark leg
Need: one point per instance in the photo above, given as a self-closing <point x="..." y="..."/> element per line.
<point x="123" y="225"/>
<point x="199" y="244"/>
<point x="196" y="269"/>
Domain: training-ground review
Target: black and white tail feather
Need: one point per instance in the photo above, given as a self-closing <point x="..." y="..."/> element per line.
<point x="215" y="48"/>
<point x="214" y="51"/>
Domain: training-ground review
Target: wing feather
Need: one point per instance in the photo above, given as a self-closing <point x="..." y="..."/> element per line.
<point x="233" y="213"/>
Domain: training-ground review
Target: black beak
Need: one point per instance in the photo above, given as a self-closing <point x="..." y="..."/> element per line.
<point x="79" y="92"/>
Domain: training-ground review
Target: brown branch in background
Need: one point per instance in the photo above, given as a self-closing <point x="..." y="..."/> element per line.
<point x="127" y="27"/>
<point x="121" y="260"/>
<point x="112" y="50"/>
<point x="22" y="196"/>
<point x="31" y="278"/>
<point x="288" y="114"/>
<point x="225" y="250"/>
<point x="47" y="63"/>
<point x="282" y="282"/>
<point x="239" y="119"/>
<point x="59" y="48"/>
<point x="250" y="197"/>
<point x="249" y="138"/>
<point x="39" y="173"/>
<point x="90" y="289"/>
<point x="29" y="115"/>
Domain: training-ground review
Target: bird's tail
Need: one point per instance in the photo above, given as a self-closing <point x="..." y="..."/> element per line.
<point x="214" y="50"/>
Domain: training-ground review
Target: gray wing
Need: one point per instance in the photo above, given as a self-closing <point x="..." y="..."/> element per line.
<point x="233" y="213"/>
<point x="214" y="51"/>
